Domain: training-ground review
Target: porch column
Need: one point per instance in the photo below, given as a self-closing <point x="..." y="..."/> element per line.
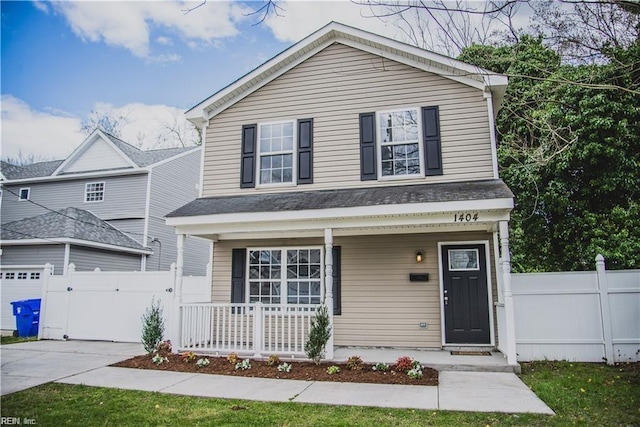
<point x="176" y="323"/>
<point x="508" y="295"/>
<point x="328" y="285"/>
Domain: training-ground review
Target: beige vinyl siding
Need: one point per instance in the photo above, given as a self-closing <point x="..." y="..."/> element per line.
<point x="380" y="306"/>
<point x="333" y="87"/>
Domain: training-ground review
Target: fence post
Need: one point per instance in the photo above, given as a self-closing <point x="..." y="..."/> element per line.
<point x="508" y="294"/>
<point x="176" y="316"/>
<point x="258" y="329"/>
<point x="48" y="271"/>
<point x="605" y="312"/>
<point x="328" y="281"/>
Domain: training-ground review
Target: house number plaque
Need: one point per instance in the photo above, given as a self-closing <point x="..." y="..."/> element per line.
<point x="465" y="217"/>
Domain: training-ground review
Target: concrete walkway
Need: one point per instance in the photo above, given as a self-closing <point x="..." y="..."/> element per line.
<point x="25" y="365"/>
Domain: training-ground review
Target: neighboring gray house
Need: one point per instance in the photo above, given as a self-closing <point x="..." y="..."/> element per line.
<point x="102" y="207"/>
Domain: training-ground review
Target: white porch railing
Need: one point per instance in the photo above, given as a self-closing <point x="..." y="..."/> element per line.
<point x="257" y="329"/>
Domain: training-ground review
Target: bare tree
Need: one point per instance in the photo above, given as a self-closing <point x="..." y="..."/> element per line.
<point x="178" y="132"/>
<point x="23" y="159"/>
<point x="110" y="121"/>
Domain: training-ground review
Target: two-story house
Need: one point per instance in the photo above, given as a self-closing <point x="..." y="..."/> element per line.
<point x="101" y="207"/>
<point x="360" y="171"/>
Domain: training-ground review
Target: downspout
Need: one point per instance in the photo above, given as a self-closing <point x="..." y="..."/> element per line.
<point x="203" y="145"/>
<point x="147" y="210"/>
<point x="328" y="286"/>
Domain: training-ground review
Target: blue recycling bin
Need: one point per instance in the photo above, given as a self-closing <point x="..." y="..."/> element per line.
<point x="27" y="313"/>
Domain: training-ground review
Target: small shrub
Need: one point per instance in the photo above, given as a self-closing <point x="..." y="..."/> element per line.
<point x="158" y="359"/>
<point x="404" y="363"/>
<point x="164" y="347"/>
<point x="319" y="335"/>
<point x="415" y="373"/>
<point x="333" y="369"/>
<point x="383" y="367"/>
<point x="233" y="358"/>
<point x="354" y="363"/>
<point x="273" y="360"/>
<point x="189" y="356"/>
<point x="152" y="327"/>
<point x="285" y="367"/>
<point x="201" y="363"/>
<point x="244" y="365"/>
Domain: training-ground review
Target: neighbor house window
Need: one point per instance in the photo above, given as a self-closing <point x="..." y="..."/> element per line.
<point x="285" y="275"/>
<point x="9" y="275"/>
<point x="22" y="275"/>
<point x="35" y="276"/>
<point x="276" y="152"/>
<point x="94" y="192"/>
<point x="24" y="194"/>
<point x="400" y="148"/>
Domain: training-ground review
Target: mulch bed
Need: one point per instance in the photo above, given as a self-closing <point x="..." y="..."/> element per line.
<point x="305" y="371"/>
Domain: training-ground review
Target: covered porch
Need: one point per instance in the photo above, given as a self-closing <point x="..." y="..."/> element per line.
<point x="397" y="219"/>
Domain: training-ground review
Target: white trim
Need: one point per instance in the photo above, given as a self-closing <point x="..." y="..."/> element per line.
<point x="91" y="139"/>
<point x="86" y="191"/>
<point x="353" y="37"/>
<point x="67" y="255"/>
<point x="147" y="209"/>
<point x="77" y="242"/>
<point x="489" y="290"/>
<point x="492" y="135"/>
<point x="202" y="155"/>
<point x="20" y="198"/>
<point x="76" y="176"/>
<point x="5" y="267"/>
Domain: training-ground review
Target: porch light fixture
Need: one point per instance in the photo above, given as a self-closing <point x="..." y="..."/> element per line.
<point x="419" y="256"/>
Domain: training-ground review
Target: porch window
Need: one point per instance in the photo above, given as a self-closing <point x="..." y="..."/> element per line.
<point x="400" y="147"/>
<point x="276" y="152"/>
<point x="285" y="275"/>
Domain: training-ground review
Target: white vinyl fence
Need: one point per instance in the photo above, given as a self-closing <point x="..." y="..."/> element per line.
<point x="108" y="306"/>
<point x="578" y="316"/>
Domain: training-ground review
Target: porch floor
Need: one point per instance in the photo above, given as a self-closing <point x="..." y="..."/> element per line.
<point x="440" y="360"/>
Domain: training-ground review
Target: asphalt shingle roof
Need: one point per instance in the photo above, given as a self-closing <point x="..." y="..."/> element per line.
<point x="72" y="223"/>
<point x="29" y="171"/>
<point x="346" y="198"/>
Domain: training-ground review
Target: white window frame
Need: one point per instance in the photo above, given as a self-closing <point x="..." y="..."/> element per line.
<point x="87" y="192"/>
<point x="379" y="144"/>
<point x="28" y="190"/>
<point x="283" y="271"/>
<point x="294" y="155"/>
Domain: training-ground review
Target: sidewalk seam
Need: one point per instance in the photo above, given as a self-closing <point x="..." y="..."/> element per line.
<point x="295" y="396"/>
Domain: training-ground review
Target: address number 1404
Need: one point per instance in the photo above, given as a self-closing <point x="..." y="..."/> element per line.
<point x="465" y="217"/>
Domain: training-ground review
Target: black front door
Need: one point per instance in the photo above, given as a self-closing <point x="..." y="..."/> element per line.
<point x="465" y="299"/>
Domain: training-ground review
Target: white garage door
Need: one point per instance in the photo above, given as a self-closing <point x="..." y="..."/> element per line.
<point x="18" y="284"/>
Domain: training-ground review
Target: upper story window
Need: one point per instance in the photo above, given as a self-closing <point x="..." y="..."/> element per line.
<point x="400" y="147"/>
<point x="276" y="153"/>
<point x="94" y="192"/>
<point x="24" y="194"/>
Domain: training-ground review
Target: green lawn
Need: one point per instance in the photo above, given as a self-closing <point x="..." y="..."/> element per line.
<point x="580" y="393"/>
<point x="13" y="340"/>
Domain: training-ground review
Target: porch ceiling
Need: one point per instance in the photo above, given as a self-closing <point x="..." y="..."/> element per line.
<point x="467" y="206"/>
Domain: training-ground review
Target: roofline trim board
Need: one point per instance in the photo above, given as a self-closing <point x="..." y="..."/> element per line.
<point x="76" y="242"/>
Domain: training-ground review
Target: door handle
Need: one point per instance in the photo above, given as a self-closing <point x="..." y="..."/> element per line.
<point x="446" y="300"/>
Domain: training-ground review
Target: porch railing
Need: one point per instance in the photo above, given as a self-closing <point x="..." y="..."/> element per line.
<point x="257" y="329"/>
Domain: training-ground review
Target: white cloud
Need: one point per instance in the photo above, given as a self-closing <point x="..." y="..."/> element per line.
<point x="44" y="134"/>
<point x="54" y="135"/>
<point x="298" y="19"/>
<point x="128" y="24"/>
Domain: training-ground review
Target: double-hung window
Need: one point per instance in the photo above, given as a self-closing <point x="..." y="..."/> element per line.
<point x="24" y="193"/>
<point x="94" y="192"/>
<point x="285" y="275"/>
<point x="276" y="153"/>
<point x="400" y="147"/>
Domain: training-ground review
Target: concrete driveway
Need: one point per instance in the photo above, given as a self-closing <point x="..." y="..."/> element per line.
<point x="29" y="364"/>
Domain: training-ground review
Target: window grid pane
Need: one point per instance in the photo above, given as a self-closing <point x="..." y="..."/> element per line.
<point x="264" y="276"/>
<point x="304" y="265"/>
<point x="276" y="153"/>
<point x="399" y="140"/>
<point x="94" y="192"/>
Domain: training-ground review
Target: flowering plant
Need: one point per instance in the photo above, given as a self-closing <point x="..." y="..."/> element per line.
<point x="202" y="362"/>
<point x="354" y="363"/>
<point x="285" y="367"/>
<point x="157" y="359"/>
<point x="164" y="347"/>
<point x="244" y="365"/>
<point x="232" y="358"/>
<point x="415" y="373"/>
<point x="380" y="367"/>
<point x="188" y="356"/>
<point x="404" y="363"/>
<point x="333" y="369"/>
<point x="273" y="360"/>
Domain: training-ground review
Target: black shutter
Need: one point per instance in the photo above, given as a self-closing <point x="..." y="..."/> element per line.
<point x="337" y="282"/>
<point x="432" y="146"/>
<point x="248" y="163"/>
<point x="368" y="147"/>
<point x="238" y="258"/>
<point x="305" y="151"/>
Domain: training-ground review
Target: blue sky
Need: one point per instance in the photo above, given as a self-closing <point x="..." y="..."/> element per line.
<point x="146" y="60"/>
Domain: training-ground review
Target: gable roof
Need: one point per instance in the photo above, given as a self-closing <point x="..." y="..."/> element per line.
<point x="335" y="32"/>
<point x="69" y="223"/>
<point x="133" y="156"/>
